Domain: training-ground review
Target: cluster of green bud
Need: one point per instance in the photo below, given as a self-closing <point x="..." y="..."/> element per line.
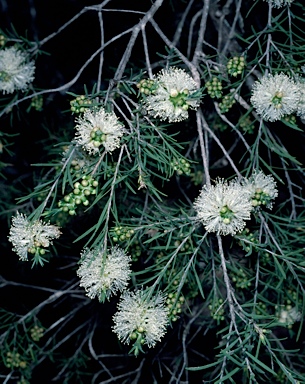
<point x="251" y="237"/>
<point x="77" y="164"/>
<point x="36" y="333"/>
<point x="277" y="99"/>
<point x="174" y="282"/>
<point x="147" y="86"/>
<point x="226" y="103"/>
<point x="197" y="177"/>
<point x="181" y="166"/>
<point x="82" y="190"/>
<point x="236" y="65"/>
<point x="4" y="76"/>
<point x="2" y="40"/>
<point x="80" y="104"/>
<point x="174" y="305"/>
<point x="185" y="247"/>
<point x="246" y="124"/>
<point x="265" y="258"/>
<point x="240" y="279"/>
<point x="120" y="234"/>
<point x="38" y="248"/>
<point x="109" y="169"/>
<point x="37" y="102"/>
<point x="214" y="88"/>
<point x="179" y="99"/>
<point x="260" y="198"/>
<point x="160" y="257"/>
<point x="290" y="119"/>
<point x="97" y="137"/>
<point x="226" y="214"/>
<point x="217" y="310"/>
<point x="14" y="360"/>
<point x="135" y="250"/>
<point x="80" y="165"/>
<point x="292" y="296"/>
<point x="260" y="308"/>
<point x="138" y="338"/>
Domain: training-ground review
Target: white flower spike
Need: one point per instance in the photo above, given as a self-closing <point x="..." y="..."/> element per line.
<point x="31" y="237"/>
<point x="104" y="275"/>
<point x="98" y="128"/>
<point x="140" y="320"/>
<point x="16" y="72"/>
<point x="223" y="207"/>
<point x="275" y="96"/>
<point x="173" y="95"/>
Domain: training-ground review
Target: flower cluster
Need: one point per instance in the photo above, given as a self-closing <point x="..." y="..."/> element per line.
<point x="31" y="237"/>
<point x="16" y="72"/>
<point x="173" y="94"/>
<point x="99" y="128"/>
<point x="275" y="96"/>
<point x="224" y="207"/>
<point x="140" y="320"/>
<point x="103" y="274"/>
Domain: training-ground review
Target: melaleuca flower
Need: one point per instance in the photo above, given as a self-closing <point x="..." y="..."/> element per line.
<point x="16" y="71"/>
<point x="140" y="320"/>
<point x="279" y="3"/>
<point x="224" y="207"/>
<point x="99" y="128"/>
<point x="275" y="96"/>
<point x="104" y="274"/>
<point x="31" y="237"/>
<point x="174" y="93"/>
<point x="262" y="189"/>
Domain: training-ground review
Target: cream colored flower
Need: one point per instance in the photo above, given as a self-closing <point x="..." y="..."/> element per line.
<point x="274" y="96"/>
<point x="16" y="71"/>
<point x="223" y="207"/>
<point x="140" y="320"/>
<point x="31" y="237"/>
<point x="174" y="93"/>
<point x="103" y="275"/>
<point x="98" y="128"/>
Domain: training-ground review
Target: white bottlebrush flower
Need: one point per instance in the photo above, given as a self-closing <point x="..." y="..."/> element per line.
<point x="173" y="96"/>
<point x="140" y="320"/>
<point x="223" y="207"/>
<point x="275" y="96"/>
<point x="103" y="275"/>
<point x="99" y="128"/>
<point x="279" y="3"/>
<point x="31" y="237"/>
<point x="16" y="71"/>
<point x="262" y="189"/>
